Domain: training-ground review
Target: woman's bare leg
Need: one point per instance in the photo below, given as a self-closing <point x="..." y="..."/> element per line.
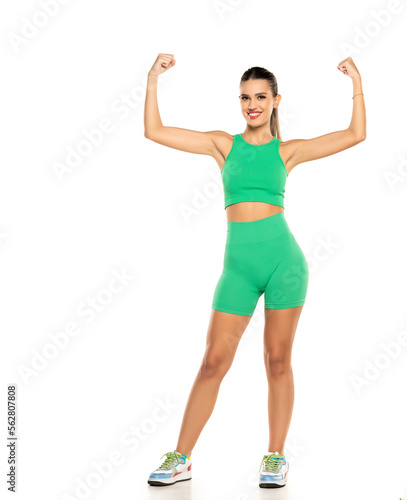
<point x="279" y="330"/>
<point x="224" y="333"/>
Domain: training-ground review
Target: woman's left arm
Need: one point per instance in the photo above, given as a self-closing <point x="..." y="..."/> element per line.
<point x="303" y="150"/>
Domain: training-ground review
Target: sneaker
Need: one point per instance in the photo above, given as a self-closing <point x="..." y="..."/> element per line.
<point x="176" y="467"/>
<point x="274" y="469"/>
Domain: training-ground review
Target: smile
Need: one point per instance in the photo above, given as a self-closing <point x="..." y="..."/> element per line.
<point x="254" y="115"/>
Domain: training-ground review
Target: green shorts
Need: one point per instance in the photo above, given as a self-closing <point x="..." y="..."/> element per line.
<point x="261" y="256"/>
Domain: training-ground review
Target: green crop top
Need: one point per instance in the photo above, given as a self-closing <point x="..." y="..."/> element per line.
<point x="254" y="173"/>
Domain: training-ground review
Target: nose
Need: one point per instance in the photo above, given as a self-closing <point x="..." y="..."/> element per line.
<point x="250" y="108"/>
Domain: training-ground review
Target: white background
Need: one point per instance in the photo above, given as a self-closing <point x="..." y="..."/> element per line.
<point x="130" y="207"/>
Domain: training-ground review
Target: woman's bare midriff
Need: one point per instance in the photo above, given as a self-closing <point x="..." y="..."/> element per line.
<point x="251" y="210"/>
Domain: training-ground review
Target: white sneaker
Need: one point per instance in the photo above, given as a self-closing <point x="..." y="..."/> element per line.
<point x="176" y="467"/>
<point x="274" y="470"/>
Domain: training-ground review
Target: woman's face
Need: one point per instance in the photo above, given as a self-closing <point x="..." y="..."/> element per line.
<point x="255" y="96"/>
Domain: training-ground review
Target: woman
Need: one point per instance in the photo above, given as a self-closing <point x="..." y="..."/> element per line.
<point x="261" y="254"/>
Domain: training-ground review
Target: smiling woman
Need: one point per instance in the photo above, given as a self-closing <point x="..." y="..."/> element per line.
<point x="261" y="254"/>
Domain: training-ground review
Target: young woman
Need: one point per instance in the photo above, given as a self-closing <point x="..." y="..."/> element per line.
<point x="261" y="254"/>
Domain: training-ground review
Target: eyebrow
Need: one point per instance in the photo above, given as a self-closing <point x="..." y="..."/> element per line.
<point x="258" y="93"/>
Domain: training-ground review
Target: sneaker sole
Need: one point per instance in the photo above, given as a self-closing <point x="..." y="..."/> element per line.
<point x="184" y="476"/>
<point x="273" y="484"/>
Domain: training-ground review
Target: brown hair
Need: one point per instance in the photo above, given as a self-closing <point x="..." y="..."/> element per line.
<point x="258" y="73"/>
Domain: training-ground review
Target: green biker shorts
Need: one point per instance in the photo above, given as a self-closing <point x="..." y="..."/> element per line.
<point x="261" y="256"/>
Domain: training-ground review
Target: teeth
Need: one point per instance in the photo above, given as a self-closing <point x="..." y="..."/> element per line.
<point x="252" y="114"/>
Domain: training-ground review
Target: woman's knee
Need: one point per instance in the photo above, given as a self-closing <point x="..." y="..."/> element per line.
<point x="214" y="365"/>
<point x="277" y="364"/>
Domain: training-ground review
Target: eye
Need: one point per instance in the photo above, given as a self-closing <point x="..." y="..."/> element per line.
<point x="260" y="97"/>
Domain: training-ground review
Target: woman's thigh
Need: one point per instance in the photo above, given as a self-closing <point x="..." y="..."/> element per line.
<point x="280" y="326"/>
<point x="223" y="336"/>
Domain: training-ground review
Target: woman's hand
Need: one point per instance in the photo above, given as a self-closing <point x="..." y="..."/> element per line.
<point x="162" y="63"/>
<point x="348" y="67"/>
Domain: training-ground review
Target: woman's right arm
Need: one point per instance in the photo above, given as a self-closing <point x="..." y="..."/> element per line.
<point x="190" y="141"/>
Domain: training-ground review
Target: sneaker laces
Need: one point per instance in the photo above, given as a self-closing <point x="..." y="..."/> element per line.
<point x="272" y="461"/>
<point x="172" y="457"/>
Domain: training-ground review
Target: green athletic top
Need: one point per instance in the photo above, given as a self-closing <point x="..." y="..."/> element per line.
<point x="254" y="173"/>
